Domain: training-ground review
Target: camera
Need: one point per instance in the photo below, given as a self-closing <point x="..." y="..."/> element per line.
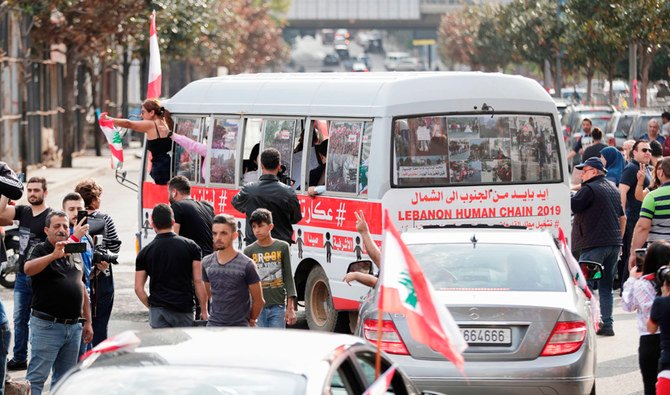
<point x="283" y="177"/>
<point x="663" y="275"/>
<point x="640" y="253"/>
<point x="100" y="254"/>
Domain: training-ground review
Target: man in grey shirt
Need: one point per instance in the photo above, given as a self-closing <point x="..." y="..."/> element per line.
<point x="231" y="279"/>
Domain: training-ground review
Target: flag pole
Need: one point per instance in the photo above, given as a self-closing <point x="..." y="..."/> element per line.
<point x="378" y="355"/>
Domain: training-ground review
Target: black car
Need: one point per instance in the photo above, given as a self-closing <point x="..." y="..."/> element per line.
<point x="331" y="60"/>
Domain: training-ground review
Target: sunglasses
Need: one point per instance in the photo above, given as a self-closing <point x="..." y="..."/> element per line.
<point x="645" y="150"/>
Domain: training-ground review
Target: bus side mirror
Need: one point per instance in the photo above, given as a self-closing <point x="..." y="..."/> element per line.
<point x="591" y="270"/>
<point x="362" y="266"/>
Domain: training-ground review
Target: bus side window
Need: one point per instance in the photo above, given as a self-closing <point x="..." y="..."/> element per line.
<point x="365" y="155"/>
<point x="300" y="146"/>
<point x="251" y="159"/>
<point x="224" y="140"/>
<point x="343" y="156"/>
<point x="187" y="163"/>
<point x="278" y="134"/>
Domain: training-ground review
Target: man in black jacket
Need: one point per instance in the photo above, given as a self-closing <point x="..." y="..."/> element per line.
<point x="597" y="230"/>
<point x="270" y="194"/>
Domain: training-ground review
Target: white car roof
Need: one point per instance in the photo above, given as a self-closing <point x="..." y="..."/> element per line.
<point x="484" y="236"/>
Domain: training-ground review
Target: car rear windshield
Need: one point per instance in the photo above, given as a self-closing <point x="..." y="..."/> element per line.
<point x="489" y="267"/>
<point x="195" y="380"/>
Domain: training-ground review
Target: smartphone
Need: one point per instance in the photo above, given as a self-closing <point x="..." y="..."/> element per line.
<point x="75" y="248"/>
<point x="80" y="215"/>
<point x="639" y="258"/>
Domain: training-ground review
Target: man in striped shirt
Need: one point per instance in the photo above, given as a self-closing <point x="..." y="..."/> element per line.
<point x="654" y="222"/>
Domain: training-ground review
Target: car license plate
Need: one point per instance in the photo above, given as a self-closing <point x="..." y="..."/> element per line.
<point x="502" y="336"/>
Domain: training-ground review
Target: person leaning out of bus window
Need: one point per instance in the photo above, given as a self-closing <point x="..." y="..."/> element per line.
<point x="157" y="124"/>
<point x="193" y="147"/>
<point x="373" y="252"/>
<point x="250" y="166"/>
<point x="317" y="176"/>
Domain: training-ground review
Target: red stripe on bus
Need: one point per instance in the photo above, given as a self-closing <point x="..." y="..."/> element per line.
<point x="318" y="212"/>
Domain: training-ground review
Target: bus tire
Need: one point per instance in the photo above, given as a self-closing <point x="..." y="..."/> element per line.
<point x="319" y="310"/>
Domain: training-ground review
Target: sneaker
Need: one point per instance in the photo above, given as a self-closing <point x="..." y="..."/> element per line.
<point x="605" y="331"/>
<point x="13" y="364"/>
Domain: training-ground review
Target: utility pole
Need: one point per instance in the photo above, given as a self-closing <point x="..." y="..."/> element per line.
<point x="632" y="73"/>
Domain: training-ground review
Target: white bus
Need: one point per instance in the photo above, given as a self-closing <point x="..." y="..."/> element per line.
<point x="435" y="149"/>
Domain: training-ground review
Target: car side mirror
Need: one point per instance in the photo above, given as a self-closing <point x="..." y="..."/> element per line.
<point x="591" y="270"/>
<point x="363" y="266"/>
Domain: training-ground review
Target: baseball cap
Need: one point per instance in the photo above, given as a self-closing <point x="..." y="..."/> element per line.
<point x="596" y="163"/>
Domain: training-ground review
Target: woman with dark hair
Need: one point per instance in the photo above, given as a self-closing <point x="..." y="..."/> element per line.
<point x="157" y="124"/>
<point x="250" y="166"/>
<point x="639" y="292"/>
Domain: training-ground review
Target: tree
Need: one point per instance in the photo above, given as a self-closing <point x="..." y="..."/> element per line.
<point x="83" y="27"/>
<point x="492" y="51"/>
<point x="456" y="37"/>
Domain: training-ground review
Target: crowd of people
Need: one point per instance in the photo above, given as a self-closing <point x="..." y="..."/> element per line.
<point x="622" y="221"/>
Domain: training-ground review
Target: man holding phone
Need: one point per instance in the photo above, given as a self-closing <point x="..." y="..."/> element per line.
<point x="59" y="303"/>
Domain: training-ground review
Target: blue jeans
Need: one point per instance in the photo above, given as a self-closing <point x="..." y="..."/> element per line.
<point x="608" y="257"/>
<point x="160" y="317"/>
<point x="273" y="316"/>
<point x="53" y="347"/>
<point x="5" y="339"/>
<point x="23" y="296"/>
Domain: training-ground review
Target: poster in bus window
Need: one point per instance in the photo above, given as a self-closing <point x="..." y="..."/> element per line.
<point x="496" y="171"/>
<point x="186" y="162"/>
<point x="417" y="167"/>
<point x="531" y="158"/>
<point x="365" y="156"/>
<point x="495" y="127"/>
<point x="222" y="169"/>
<point x="465" y="172"/>
<point x="425" y="132"/>
<point x="463" y="127"/>
<point x="278" y="134"/>
<point x="343" y="156"/>
<point x="499" y="149"/>
<point x="459" y="149"/>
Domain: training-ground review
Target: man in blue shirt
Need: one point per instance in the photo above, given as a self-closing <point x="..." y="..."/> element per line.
<point x="653" y="132"/>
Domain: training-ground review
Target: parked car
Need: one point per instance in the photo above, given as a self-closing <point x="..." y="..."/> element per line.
<point x="573" y="115"/>
<point x="528" y="326"/>
<point x="203" y="361"/>
<point x="639" y="126"/>
<point x="410" y="64"/>
<point x="561" y="105"/>
<point x="619" y="126"/>
<point x="342" y="51"/>
<point x="359" y="67"/>
<point x="331" y="59"/>
<point x="364" y="59"/>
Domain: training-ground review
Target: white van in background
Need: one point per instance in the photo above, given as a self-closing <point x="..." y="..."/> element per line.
<point x="393" y="58"/>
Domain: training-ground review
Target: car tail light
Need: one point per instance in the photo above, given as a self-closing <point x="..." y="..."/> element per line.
<point x="611" y="142"/>
<point x="566" y="338"/>
<point x="391" y="341"/>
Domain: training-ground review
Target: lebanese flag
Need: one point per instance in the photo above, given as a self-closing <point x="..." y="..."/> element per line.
<point x="578" y="277"/>
<point x="154" y="89"/>
<point x="382" y="383"/>
<point x="405" y="290"/>
<point x="114" y="138"/>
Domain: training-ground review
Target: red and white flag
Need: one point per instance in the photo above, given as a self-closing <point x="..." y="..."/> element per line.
<point x="578" y="277"/>
<point x="405" y="290"/>
<point x="154" y="90"/>
<point x="382" y="383"/>
<point x="114" y="138"/>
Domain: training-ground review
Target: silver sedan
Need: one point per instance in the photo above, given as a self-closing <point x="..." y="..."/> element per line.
<point x="528" y="327"/>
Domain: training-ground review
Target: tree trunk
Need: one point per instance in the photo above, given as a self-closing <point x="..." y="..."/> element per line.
<point x="124" y="83"/>
<point x="589" y="79"/>
<point x="68" y="101"/>
<point x="646" y="59"/>
<point x="94" y="105"/>
<point x="80" y="114"/>
<point x="610" y="79"/>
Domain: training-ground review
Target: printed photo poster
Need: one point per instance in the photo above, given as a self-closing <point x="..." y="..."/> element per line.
<point x="187" y="163"/>
<point x="413" y="167"/>
<point x="343" y="156"/>
<point x="497" y="171"/>
<point x="222" y="163"/>
<point x="497" y="126"/>
<point x="465" y="172"/>
<point x="534" y="149"/>
<point x="278" y="134"/>
<point x="465" y="127"/>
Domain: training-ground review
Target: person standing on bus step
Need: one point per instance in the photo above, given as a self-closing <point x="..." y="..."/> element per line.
<point x="31" y="227"/>
<point x="173" y="264"/>
<point x="157" y="124"/>
<point x="273" y="261"/>
<point x="640" y="158"/>
<point x="102" y="275"/>
<point x="231" y="279"/>
<point x="597" y="230"/>
<point x="192" y="218"/>
<point x="271" y="194"/>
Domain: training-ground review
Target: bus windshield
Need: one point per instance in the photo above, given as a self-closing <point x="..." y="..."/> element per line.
<point x="460" y="150"/>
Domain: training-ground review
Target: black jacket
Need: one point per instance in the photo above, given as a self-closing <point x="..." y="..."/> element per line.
<point x="597" y="209"/>
<point x="270" y="194"/>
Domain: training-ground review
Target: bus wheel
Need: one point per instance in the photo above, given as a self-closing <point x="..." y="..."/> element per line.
<point x="319" y="310"/>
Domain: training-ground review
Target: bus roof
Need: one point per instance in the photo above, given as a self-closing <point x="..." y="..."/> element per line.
<point x="360" y="94"/>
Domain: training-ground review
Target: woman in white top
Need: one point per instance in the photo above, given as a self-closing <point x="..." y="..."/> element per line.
<point x="639" y="292"/>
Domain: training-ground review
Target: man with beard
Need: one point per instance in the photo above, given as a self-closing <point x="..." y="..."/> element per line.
<point x="173" y="264"/>
<point x="60" y="305"/>
<point x="231" y="279"/>
<point x="31" y="227"/>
